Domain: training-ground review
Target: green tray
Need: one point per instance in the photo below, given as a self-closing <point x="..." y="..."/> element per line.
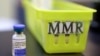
<point x="62" y="29"/>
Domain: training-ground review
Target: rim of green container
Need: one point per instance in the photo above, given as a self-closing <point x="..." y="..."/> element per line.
<point x="86" y="9"/>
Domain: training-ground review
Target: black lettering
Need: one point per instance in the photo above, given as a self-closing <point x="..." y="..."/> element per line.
<point x="67" y="29"/>
<point x="54" y="29"/>
<point x="79" y="26"/>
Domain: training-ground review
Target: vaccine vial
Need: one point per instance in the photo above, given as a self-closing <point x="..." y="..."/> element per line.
<point x="19" y="41"/>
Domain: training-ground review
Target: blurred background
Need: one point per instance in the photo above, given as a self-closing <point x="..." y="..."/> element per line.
<point x="12" y="12"/>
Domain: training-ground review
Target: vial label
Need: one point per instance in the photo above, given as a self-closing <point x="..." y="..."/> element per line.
<point x="19" y="47"/>
<point x="20" y="52"/>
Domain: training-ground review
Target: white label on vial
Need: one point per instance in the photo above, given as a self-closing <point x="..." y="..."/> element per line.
<point x="19" y="47"/>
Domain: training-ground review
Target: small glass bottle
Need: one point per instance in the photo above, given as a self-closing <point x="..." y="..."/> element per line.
<point x="19" y="41"/>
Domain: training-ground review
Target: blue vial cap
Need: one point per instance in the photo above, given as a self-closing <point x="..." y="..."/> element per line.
<point x="19" y="28"/>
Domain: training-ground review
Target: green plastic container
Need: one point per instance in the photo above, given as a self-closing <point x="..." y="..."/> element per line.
<point x="63" y="29"/>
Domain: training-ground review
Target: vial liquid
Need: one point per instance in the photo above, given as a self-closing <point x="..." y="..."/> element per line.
<point x="19" y="41"/>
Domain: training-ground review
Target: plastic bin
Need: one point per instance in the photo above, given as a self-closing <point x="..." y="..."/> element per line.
<point x="62" y="29"/>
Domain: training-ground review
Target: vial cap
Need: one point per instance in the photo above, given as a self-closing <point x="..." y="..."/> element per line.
<point x="19" y="28"/>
